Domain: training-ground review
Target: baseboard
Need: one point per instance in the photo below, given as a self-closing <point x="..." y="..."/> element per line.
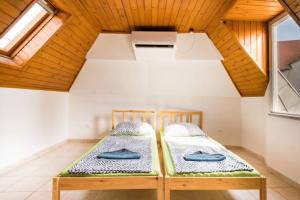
<point x="254" y="154"/>
<point x="270" y="169"/>
<point x="75" y="140"/>
<point x="33" y="156"/>
<point x="233" y="147"/>
<point x="285" y="178"/>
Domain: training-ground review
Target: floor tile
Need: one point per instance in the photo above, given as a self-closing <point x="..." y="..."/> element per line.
<point x="14" y="195"/>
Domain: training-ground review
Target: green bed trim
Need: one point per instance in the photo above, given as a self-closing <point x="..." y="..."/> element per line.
<point x="168" y="162"/>
<point x="155" y="164"/>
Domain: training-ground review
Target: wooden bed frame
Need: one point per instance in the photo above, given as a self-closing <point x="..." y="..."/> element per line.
<point x="205" y="183"/>
<point x="112" y="182"/>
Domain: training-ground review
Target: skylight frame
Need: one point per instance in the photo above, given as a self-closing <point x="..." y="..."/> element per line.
<point x="27" y="35"/>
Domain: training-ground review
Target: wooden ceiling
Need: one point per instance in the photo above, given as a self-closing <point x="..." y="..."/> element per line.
<point x="242" y="62"/>
<point x="58" y="54"/>
<point x="56" y="64"/>
<point x="254" y="10"/>
<point x="293" y="8"/>
<point x="10" y="10"/>
<point x="129" y="15"/>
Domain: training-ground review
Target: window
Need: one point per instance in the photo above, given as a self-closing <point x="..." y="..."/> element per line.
<point x="285" y="66"/>
<point x="24" y="25"/>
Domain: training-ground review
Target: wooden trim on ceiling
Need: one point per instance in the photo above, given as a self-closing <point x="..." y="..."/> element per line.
<point x="293" y="8"/>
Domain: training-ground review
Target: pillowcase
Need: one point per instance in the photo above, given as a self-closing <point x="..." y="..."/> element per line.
<point x="133" y="129"/>
<point x="183" y="130"/>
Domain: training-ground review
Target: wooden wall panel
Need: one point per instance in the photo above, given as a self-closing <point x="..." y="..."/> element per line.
<point x="247" y="76"/>
<point x="254" y="10"/>
<point x="293" y="8"/>
<point x="252" y="36"/>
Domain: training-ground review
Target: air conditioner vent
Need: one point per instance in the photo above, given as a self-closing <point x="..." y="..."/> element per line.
<point x="154" y="45"/>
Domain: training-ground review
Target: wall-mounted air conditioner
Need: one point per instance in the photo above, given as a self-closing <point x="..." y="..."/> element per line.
<point x="149" y="45"/>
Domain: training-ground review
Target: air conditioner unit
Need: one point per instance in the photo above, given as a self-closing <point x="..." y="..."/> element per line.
<point x="149" y="45"/>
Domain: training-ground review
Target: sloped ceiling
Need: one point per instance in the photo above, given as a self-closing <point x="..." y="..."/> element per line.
<point x="56" y="64"/>
<point x="254" y="10"/>
<point x="293" y="8"/>
<point x="10" y="10"/>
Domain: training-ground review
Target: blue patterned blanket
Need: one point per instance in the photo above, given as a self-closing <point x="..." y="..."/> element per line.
<point x="183" y="146"/>
<point x="90" y="164"/>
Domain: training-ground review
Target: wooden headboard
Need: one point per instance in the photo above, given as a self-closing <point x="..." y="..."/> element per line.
<point x="134" y="115"/>
<point x="180" y="116"/>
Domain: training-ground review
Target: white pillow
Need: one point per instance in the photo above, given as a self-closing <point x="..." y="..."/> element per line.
<point x="183" y="130"/>
<point x="133" y="129"/>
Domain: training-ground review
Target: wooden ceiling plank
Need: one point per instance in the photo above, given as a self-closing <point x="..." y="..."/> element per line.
<point x="161" y="12"/>
<point x="154" y="13"/>
<point x="9" y="75"/>
<point x="199" y="18"/>
<point x="126" y="6"/>
<point x="113" y="25"/>
<point x="9" y="9"/>
<point x="174" y="13"/>
<point x="135" y="13"/>
<point x="148" y="12"/>
<point x="141" y="12"/>
<point x="114" y="13"/>
<point x="182" y="12"/>
<point x="192" y="17"/>
<point x="19" y="4"/>
<point x="95" y="10"/>
<point x="213" y="10"/>
<point x="258" y="10"/>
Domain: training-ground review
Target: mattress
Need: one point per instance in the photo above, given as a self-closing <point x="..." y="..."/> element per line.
<point x="155" y="164"/>
<point x="169" y="164"/>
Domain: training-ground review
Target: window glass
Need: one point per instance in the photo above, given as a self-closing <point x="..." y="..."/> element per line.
<point x="24" y="24"/>
<point x="286" y="66"/>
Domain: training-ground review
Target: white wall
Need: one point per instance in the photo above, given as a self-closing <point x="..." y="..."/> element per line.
<point x="111" y="78"/>
<point x="275" y="138"/>
<point x="105" y="85"/>
<point x="30" y="121"/>
<point x="195" y="46"/>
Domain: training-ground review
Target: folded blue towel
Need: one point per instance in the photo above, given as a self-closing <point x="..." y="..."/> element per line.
<point x="120" y="154"/>
<point x="203" y="156"/>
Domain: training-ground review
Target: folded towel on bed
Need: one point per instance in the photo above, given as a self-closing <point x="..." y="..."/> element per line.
<point x="181" y="146"/>
<point x="203" y="156"/>
<point x="120" y="154"/>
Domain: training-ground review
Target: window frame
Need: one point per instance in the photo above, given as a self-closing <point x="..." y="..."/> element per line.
<point x="28" y="35"/>
<point x="274" y="70"/>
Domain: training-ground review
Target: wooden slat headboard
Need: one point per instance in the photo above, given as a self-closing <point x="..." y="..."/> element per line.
<point x="180" y="116"/>
<point x="134" y="115"/>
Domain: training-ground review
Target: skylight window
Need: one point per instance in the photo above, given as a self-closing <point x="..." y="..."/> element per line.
<point x="23" y="26"/>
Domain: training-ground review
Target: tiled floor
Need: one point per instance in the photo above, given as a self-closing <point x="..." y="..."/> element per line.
<point x="32" y="181"/>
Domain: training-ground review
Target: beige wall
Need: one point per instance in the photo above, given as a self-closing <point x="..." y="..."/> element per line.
<point x="30" y="121"/>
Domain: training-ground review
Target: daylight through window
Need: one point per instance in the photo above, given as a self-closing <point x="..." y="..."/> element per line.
<point x="23" y="26"/>
<point x="286" y="66"/>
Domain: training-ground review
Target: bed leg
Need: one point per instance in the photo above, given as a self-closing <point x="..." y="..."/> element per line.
<point x="160" y="188"/>
<point x="55" y="189"/>
<point x="167" y="190"/>
<point x="263" y="189"/>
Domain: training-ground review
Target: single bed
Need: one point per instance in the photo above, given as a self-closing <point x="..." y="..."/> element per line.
<point x="239" y="180"/>
<point x="112" y="180"/>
